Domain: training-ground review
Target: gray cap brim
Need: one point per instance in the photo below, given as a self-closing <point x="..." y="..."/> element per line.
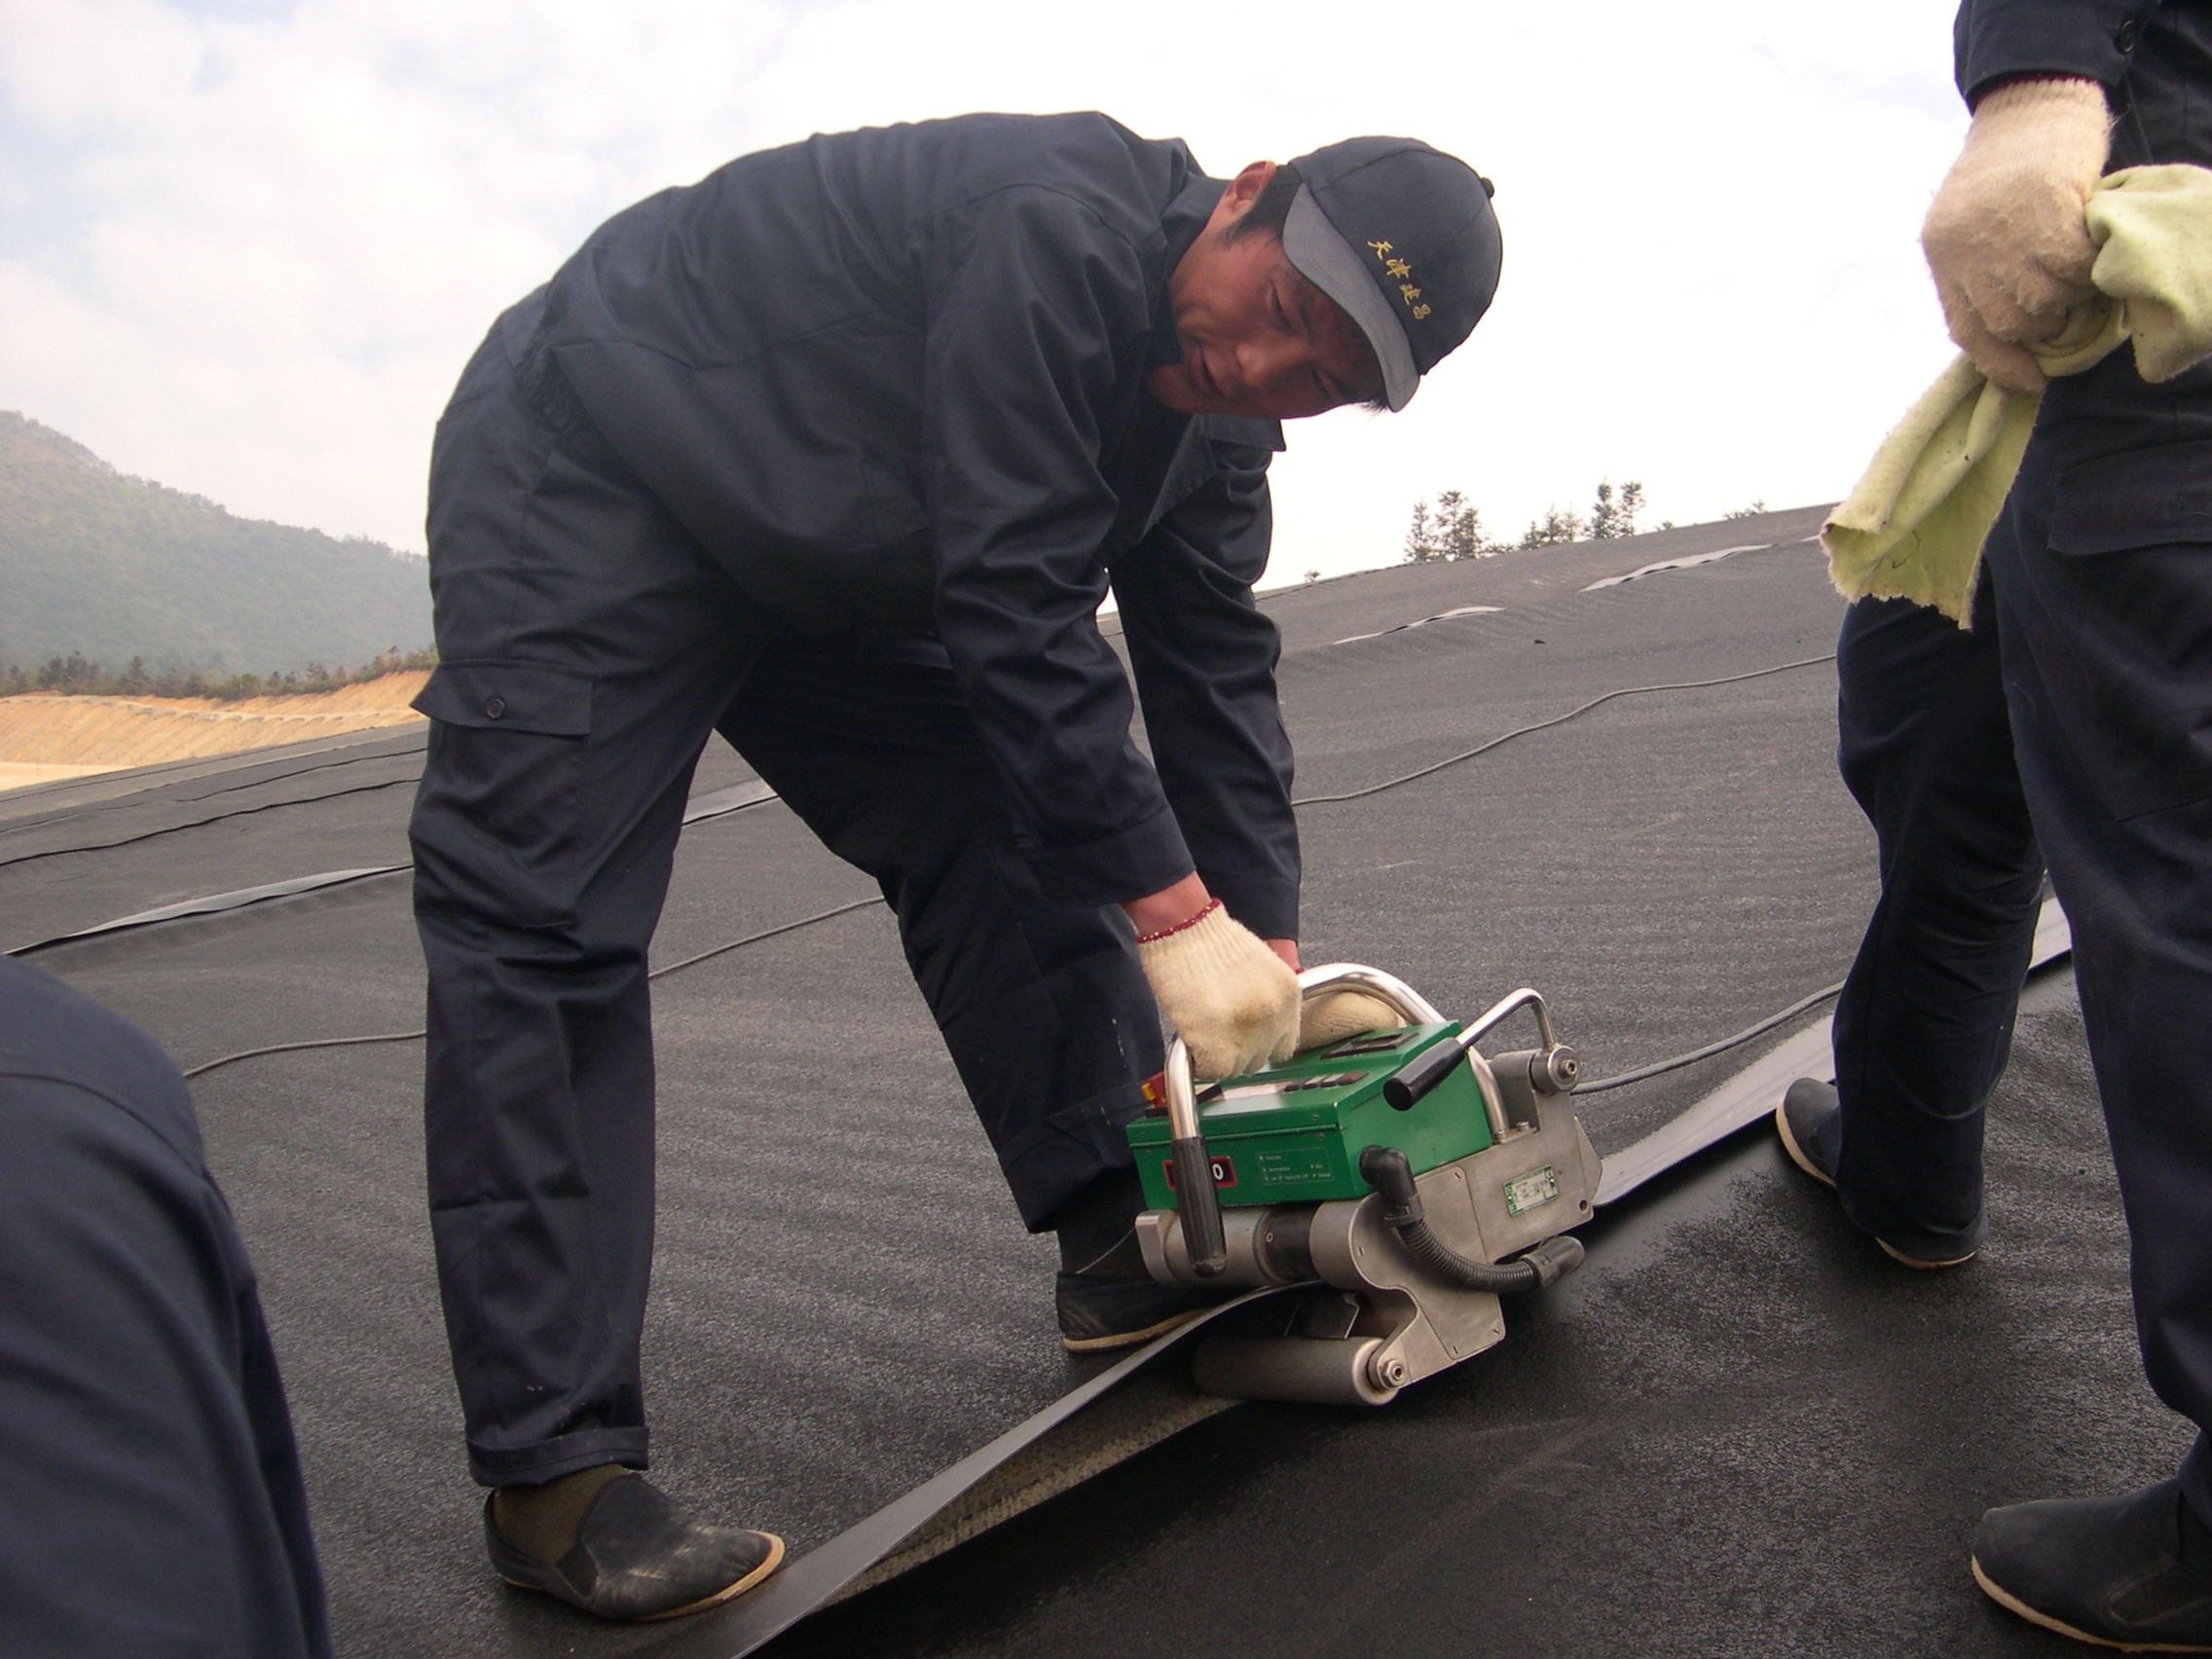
<point x="1327" y="261"/>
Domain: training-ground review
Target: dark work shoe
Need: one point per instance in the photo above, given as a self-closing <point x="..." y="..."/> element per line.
<point x="1099" y="1312"/>
<point x="1104" y="1297"/>
<point x="1807" y="1120"/>
<point x="637" y="1556"/>
<point x="2130" y="1572"/>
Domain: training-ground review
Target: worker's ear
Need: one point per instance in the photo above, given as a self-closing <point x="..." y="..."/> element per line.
<point x="1244" y="189"/>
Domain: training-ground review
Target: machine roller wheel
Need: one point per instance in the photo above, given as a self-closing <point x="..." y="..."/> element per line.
<point x="1318" y="1371"/>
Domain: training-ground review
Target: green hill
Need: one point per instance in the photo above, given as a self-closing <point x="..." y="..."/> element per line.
<point x="111" y="567"/>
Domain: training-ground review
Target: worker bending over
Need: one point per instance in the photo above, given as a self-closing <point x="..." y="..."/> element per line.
<point x="836" y="453"/>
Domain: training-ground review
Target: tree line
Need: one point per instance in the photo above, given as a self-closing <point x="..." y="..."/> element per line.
<point x="73" y="676"/>
<point x="1453" y="530"/>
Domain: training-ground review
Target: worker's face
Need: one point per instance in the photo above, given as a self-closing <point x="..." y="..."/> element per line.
<point x="1258" y="338"/>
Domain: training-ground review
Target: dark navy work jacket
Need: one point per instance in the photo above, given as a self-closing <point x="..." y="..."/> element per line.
<point x="2143" y="51"/>
<point x="150" y="1491"/>
<point x="892" y="381"/>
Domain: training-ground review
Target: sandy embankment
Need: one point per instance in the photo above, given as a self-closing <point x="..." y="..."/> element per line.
<point x="43" y="737"/>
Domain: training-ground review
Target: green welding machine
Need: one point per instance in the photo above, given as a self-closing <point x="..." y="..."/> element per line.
<point x="1407" y="1177"/>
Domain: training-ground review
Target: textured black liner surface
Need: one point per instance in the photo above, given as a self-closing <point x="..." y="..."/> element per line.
<point x="1739" y="1431"/>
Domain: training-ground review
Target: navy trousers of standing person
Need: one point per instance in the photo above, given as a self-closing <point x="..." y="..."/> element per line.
<point x="1925" y="1021"/>
<point x="588" y="647"/>
<point x="2102" y="564"/>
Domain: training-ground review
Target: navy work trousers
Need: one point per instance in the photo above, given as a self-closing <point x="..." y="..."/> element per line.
<point x="2102" y="565"/>
<point x="2099" y="578"/>
<point x="588" y="647"/>
<point x="2099" y="575"/>
<point x="1925" y="1021"/>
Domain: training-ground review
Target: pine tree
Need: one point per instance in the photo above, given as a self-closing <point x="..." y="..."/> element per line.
<point x="1421" y="538"/>
<point x="1632" y="504"/>
<point x="1602" y="512"/>
<point x="1557" y="525"/>
<point x="1612" y="516"/>
<point x="1459" y="528"/>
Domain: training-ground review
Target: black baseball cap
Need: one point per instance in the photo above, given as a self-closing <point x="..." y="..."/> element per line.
<point x="1403" y="237"/>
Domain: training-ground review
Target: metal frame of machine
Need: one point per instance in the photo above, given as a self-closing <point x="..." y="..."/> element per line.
<point x="1410" y="1271"/>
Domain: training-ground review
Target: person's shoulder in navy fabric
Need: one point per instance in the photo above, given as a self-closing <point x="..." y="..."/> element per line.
<point x="150" y="1492"/>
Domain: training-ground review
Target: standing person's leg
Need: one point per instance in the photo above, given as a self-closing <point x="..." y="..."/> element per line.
<point x="1042" y="1004"/>
<point x="2103" y="563"/>
<point x="1925" y="1021"/>
<point x="585" y="647"/>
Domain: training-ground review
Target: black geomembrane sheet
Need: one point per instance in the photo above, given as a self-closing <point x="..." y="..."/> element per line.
<point x="1739" y="1430"/>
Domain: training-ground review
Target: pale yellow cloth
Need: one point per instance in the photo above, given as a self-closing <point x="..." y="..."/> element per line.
<point x="1914" y="525"/>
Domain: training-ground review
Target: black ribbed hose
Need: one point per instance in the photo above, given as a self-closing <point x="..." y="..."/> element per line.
<point x="1386" y="1169"/>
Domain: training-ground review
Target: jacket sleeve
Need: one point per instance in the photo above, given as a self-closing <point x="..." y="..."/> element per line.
<point x="1204" y="656"/>
<point x="1039" y="317"/>
<point x="1999" y="40"/>
<point x="142" y="1420"/>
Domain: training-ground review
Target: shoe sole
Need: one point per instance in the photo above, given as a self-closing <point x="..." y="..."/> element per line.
<point x="1928" y="1267"/>
<point x="1800" y="1156"/>
<point x="2012" y="1603"/>
<point x="1130" y="1339"/>
<point x="727" y="1592"/>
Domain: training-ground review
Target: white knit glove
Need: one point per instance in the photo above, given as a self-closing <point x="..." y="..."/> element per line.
<point x="1232" y="1000"/>
<point x="1333" y="1016"/>
<point x="2006" y="236"/>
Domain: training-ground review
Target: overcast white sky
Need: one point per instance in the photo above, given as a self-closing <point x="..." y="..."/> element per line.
<point x="245" y="246"/>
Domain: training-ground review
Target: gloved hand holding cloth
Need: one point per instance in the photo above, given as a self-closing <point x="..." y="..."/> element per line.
<point x="2042" y="270"/>
<point x="2006" y="236"/>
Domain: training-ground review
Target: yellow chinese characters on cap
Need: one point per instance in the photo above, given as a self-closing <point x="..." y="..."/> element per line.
<point x="1407" y="291"/>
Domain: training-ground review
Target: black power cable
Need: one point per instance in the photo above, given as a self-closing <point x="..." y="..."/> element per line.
<point x="1637" y="1076"/>
<point x="1556" y="720"/>
<point x="294" y="1047"/>
<point x="656" y="973"/>
<point x="1659" y="1067"/>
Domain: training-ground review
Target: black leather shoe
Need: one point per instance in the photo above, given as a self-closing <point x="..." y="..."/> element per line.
<point x="1099" y="1312"/>
<point x="1104" y="1297"/>
<point x="637" y="1556"/>
<point x="2130" y="1572"/>
<point x="1807" y="1120"/>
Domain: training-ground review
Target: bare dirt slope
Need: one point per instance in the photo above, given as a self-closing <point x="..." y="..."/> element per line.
<point x="44" y="736"/>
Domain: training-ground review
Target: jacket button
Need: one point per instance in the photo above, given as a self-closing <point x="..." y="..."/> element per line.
<point x="495" y="707"/>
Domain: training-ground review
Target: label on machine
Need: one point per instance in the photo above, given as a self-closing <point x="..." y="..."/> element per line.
<point x="1526" y="1191"/>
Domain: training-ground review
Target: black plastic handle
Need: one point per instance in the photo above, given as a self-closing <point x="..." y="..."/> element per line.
<point x="1423" y="1072"/>
<point x="1199" y="1205"/>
